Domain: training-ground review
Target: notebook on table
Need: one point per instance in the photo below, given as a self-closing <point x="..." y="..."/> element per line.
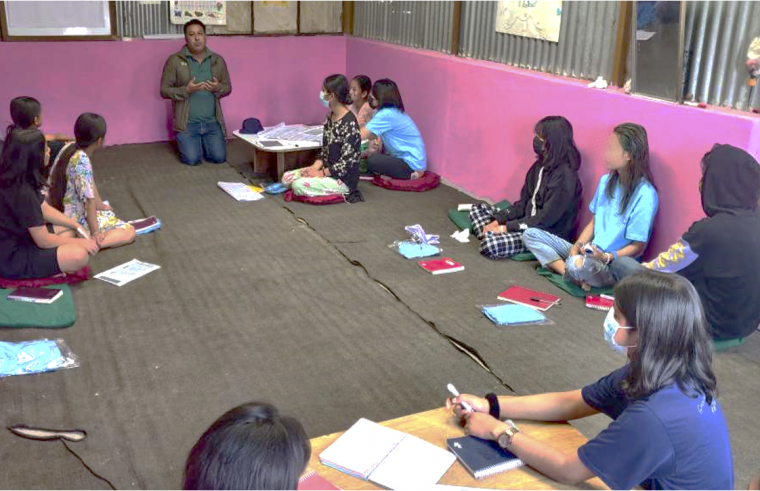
<point x="35" y="295"/>
<point x="441" y="266"/>
<point x="387" y="457"/>
<point x="312" y="480"/>
<point x="532" y="298"/>
<point x="482" y="458"/>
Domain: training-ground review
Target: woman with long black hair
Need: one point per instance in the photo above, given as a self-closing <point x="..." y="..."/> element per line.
<point x="550" y="198"/>
<point x="668" y="430"/>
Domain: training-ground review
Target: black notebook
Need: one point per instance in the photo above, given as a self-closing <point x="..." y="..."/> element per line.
<point x="35" y="295"/>
<point x="482" y="458"/>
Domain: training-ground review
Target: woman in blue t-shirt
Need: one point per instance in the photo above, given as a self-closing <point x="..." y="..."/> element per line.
<point x="403" y="154"/>
<point x="668" y="430"/>
<point x="623" y="208"/>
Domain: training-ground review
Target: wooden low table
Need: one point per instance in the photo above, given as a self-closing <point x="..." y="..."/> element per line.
<point x="290" y="155"/>
<point x="436" y="427"/>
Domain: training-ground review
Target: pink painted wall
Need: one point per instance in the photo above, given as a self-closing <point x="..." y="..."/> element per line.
<point x="273" y="78"/>
<point x="477" y="120"/>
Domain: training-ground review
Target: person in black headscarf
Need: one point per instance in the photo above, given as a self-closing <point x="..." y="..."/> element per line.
<point x="550" y="198"/>
<point x="720" y="254"/>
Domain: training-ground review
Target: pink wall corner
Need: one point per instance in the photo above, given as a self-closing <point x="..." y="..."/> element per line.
<point x="477" y="120"/>
<point x="273" y="78"/>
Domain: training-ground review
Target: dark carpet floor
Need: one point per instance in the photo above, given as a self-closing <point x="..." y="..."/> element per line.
<point x="302" y="306"/>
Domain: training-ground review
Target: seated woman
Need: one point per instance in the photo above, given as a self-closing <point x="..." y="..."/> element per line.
<point x="249" y="447"/>
<point x="718" y="254"/>
<point x="36" y="241"/>
<point x="336" y="171"/>
<point x="550" y="198"/>
<point x="668" y="430"/>
<point x="361" y="85"/>
<point x="72" y="187"/>
<point x="404" y="151"/>
<point x="623" y="208"/>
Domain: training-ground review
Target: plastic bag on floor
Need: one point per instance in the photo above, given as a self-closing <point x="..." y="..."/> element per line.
<point x="42" y="355"/>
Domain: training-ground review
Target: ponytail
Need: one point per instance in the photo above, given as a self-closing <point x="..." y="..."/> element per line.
<point x="57" y="180"/>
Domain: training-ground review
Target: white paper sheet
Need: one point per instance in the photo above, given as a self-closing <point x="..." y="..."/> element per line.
<point x="123" y="274"/>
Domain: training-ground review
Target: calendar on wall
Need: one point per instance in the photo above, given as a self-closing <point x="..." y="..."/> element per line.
<point x="530" y="18"/>
<point x="212" y="13"/>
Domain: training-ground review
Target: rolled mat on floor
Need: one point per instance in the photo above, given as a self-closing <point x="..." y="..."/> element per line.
<point x="569" y="287"/>
<point x="17" y="314"/>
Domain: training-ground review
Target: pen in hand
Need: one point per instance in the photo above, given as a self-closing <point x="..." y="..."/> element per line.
<point x="455" y="393"/>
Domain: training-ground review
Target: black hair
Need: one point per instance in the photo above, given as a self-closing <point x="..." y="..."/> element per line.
<point x="249" y="447"/>
<point x="22" y="158"/>
<point x="194" y="22"/>
<point x="365" y="83"/>
<point x="633" y="138"/>
<point x="338" y="86"/>
<point x="559" y="145"/>
<point x="387" y="94"/>
<point x="673" y="343"/>
<point x="24" y="110"/>
<point x="88" y="129"/>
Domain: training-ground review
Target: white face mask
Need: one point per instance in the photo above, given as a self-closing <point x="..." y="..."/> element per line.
<point x="611" y="327"/>
<point x="322" y="99"/>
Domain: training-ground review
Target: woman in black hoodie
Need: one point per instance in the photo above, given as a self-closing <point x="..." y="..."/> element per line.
<point x="549" y="200"/>
<point x="719" y="254"/>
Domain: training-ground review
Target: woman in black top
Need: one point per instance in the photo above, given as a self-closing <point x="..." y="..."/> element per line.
<point x="550" y="198"/>
<point x="336" y="170"/>
<point x="36" y="241"/>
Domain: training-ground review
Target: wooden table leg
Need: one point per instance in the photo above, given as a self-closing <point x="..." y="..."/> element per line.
<point x="280" y="165"/>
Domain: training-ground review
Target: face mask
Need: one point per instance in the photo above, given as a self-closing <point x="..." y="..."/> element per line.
<point x="611" y="327"/>
<point x="322" y="99"/>
<point x="538" y="145"/>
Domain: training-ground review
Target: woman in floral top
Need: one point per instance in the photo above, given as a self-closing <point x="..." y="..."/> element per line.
<point x="336" y="171"/>
<point x="72" y="188"/>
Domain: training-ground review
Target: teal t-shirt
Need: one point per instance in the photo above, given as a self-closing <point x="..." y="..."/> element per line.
<point x="613" y="230"/>
<point x="203" y="102"/>
<point x="400" y="137"/>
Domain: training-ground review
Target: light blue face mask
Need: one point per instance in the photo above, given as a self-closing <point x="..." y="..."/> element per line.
<point x="611" y="327"/>
<point x="322" y="99"/>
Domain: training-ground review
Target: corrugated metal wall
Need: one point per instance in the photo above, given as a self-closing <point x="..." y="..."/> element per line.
<point x="585" y="48"/>
<point x="717" y="37"/>
<point x="135" y="19"/>
<point x="426" y="25"/>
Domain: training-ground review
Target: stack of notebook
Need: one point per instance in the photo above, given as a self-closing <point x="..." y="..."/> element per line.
<point x="387" y="457"/>
<point x="482" y="458"/>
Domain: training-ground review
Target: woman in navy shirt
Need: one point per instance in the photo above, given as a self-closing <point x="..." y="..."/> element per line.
<point x="668" y="430"/>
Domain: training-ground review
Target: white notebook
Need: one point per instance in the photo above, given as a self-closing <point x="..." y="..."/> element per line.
<point x="387" y="457"/>
<point x="240" y="191"/>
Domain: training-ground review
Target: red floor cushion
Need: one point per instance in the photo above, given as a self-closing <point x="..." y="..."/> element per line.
<point x="428" y="181"/>
<point x="314" y="200"/>
<point x="67" y="279"/>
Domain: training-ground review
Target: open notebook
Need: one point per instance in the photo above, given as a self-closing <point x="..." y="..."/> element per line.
<point x="387" y="457"/>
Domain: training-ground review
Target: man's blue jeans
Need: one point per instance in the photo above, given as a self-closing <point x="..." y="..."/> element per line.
<point x="202" y="141"/>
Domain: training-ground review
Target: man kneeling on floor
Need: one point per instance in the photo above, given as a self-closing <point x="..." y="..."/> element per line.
<point x="195" y="79"/>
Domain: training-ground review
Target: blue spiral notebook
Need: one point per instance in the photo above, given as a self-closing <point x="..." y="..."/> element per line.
<point x="482" y="458"/>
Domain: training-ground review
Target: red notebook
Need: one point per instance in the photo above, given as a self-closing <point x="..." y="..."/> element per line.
<point x="312" y="480"/>
<point x="600" y="302"/>
<point x="441" y="266"/>
<point x="532" y="298"/>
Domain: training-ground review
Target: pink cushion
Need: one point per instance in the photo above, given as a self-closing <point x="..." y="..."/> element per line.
<point x="428" y="181"/>
<point x="314" y="200"/>
<point x="67" y="279"/>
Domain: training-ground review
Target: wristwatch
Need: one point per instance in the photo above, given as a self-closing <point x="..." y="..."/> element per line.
<point x="505" y="438"/>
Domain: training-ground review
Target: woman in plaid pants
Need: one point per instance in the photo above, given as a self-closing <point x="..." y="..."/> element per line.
<point x="550" y="198"/>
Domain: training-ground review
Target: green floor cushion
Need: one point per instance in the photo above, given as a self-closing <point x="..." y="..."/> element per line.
<point x="60" y="313"/>
<point x="724" y="344"/>
<point x="523" y="256"/>
<point x="462" y="218"/>
<point x="569" y="287"/>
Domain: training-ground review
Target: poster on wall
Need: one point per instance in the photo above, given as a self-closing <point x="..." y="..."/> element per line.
<point x="213" y="13"/>
<point x="275" y="17"/>
<point x="530" y="18"/>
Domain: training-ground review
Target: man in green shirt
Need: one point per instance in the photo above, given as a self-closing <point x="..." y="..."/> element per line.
<point x="195" y="79"/>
